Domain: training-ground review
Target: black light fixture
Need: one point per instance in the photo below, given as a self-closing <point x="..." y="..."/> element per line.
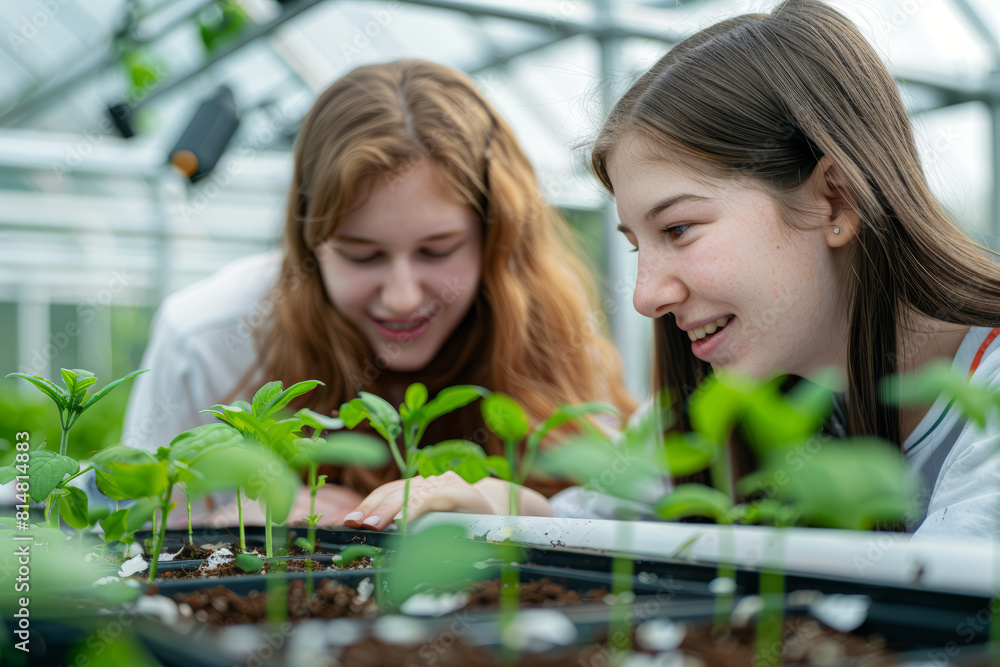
<point x="207" y="135"/>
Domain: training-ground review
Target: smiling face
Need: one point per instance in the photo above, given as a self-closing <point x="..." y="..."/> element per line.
<point x="717" y="255"/>
<point x="405" y="267"/>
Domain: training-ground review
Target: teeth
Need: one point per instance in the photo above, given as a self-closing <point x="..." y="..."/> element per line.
<point x="401" y="326"/>
<point x="701" y="332"/>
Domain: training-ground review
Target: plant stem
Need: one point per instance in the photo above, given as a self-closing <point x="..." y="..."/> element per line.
<point x="406" y="503"/>
<point x="190" y="527"/>
<point x="64" y="441"/>
<point x="771" y="621"/>
<point x="724" y="601"/>
<point x="52" y="512"/>
<point x="268" y="545"/>
<point x="72" y="477"/>
<point x="313" y="468"/>
<point x="623" y="570"/>
<point x="510" y="598"/>
<point x="239" y="513"/>
<point x="160" y="534"/>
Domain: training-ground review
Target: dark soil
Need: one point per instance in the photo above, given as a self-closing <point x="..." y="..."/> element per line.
<point x="804" y="641"/>
<point x="370" y="652"/>
<point x="230" y="569"/>
<point x="219" y="606"/>
<point x="542" y="593"/>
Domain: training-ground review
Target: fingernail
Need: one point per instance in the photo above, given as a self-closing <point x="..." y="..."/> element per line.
<point x="398" y="517"/>
<point x="353" y="516"/>
<point x="372" y="520"/>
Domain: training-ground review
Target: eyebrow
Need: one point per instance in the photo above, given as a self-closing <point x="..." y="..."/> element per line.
<point x="427" y="239"/>
<point x="663" y="206"/>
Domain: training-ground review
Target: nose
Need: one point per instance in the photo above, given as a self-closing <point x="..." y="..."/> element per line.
<point x="401" y="291"/>
<point x="658" y="289"/>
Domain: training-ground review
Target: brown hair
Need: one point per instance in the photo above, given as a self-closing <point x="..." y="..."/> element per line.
<point x="765" y="96"/>
<point x="533" y="330"/>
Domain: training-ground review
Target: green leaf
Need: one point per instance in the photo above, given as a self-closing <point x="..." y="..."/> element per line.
<point x="416" y="396"/>
<point x="694" y="500"/>
<point x="46" y="469"/>
<point x="8" y="474"/>
<point x="350" y="449"/>
<point x="500" y="467"/>
<point x="716" y="405"/>
<point x="304" y="543"/>
<point x="249" y="562"/>
<point x="465" y="458"/>
<point x="451" y="399"/>
<point x="264" y="396"/>
<point x="505" y="417"/>
<point x="242" y="420"/>
<point x="104" y="392"/>
<point x="380" y="414"/>
<point x="688" y="453"/>
<point x="140" y="513"/>
<point x="288" y="395"/>
<point x="190" y="444"/>
<point x="136" y="480"/>
<point x="256" y="470"/>
<point x="47" y="387"/>
<point x="73" y="508"/>
<point x="351" y="554"/>
<point x="106" y="477"/>
<point x="114" y="525"/>
<point x="319" y="422"/>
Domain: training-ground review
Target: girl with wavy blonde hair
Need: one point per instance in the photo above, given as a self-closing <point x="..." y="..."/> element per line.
<point x="418" y="247"/>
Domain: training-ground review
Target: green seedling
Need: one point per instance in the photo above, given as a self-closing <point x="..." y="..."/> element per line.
<point x="74" y="400"/>
<point x="48" y="473"/>
<point x="261" y="421"/>
<point x="344" y="449"/>
<point x="414" y="416"/>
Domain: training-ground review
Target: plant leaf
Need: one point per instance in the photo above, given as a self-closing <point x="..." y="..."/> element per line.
<point x="688" y="453"/>
<point x="249" y="562"/>
<point x="319" y="422"/>
<point x="73" y="508"/>
<point x="46" y="469"/>
<point x="505" y="417"/>
<point x="450" y="399"/>
<point x="264" y="396"/>
<point x="114" y="525"/>
<point x="351" y="554"/>
<point x="465" y="458"/>
<point x="190" y="444"/>
<point x="350" y="449"/>
<point x="47" y="387"/>
<point x="107" y="478"/>
<point x="379" y="413"/>
<point x="694" y="500"/>
<point x="256" y="470"/>
<point x="283" y="398"/>
<point x="104" y="392"/>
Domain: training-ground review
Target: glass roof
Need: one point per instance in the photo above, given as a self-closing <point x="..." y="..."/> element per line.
<point x="74" y="192"/>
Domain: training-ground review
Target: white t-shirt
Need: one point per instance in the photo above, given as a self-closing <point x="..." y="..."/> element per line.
<point x="958" y="460"/>
<point x="200" y="347"/>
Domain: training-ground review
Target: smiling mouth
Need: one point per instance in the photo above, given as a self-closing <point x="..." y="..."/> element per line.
<point x="408" y="325"/>
<point x="701" y="333"/>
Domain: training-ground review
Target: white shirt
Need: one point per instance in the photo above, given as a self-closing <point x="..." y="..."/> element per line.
<point x="958" y="460"/>
<point x="200" y="347"/>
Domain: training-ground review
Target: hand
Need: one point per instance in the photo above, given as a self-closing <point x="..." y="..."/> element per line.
<point x="332" y="501"/>
<point x="442" y="493"/>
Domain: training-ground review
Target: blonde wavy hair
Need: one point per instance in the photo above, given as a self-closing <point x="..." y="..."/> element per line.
<point x="534" y="330"/>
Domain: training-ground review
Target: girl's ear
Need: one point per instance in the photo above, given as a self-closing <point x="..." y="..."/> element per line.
<point x="840" y="220"/>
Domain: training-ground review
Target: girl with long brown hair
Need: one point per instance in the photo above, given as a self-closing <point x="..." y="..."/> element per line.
<point x="766" y="172"/>
<point x="417" y="247"/>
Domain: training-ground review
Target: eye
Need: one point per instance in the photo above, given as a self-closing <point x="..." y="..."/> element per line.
<point x="676" y="231"/>
<point x="361" y="259"/>
<point x="437" y="253"/>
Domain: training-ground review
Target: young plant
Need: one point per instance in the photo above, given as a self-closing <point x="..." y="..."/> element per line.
<point x="74" y="400"/>
<point x="260" y="422"/>
<point x="344" y="449"/>
<point x="48" y="472"/>
<point x="412" y="420"/>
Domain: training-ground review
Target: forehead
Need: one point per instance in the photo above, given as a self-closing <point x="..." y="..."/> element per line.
<point x="643" y="175"/>
<point x="412" y="203"/>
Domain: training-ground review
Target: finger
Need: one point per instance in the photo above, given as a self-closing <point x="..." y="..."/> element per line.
<point x="356" y="518"/>
<point x="380" y="516"/>
<point x="452" y="498"/>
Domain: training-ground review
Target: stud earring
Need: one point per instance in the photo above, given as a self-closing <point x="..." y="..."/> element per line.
<point x="836" y="230"/>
